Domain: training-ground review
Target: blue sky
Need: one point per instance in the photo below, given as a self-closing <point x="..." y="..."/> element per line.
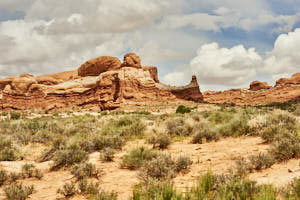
<point x="226" y="43"/>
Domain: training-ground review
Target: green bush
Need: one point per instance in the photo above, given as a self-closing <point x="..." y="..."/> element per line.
<point x="203" y="131"/>
<point x="238" y="126"/>
<point x="262" y="161"/>
<point x="183" y="109"/>
<point x="161" y="141"/>
<point x="15" y="115"/>
<point x="161" y="167"/>
<point x="88" y="188"/>
<point x="183" y="163"/>
<point x="17" y="191"/>
<point x="285" y="147"/>
<point x="136" y="157"/>
<point x="29" y="170"/>
<point x="84" y="170"/>
<point x="69" y="156"/>
<point x="7" y="151"/>
<point x="178" y="127"/>
<point x="128" y="127"/>
<point x="160" y="190"/>
<point x="68" y="189"/>
<point x="220" y="117"/>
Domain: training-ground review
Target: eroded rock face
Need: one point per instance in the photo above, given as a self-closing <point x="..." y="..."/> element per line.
<point x="286" y="90"/>
<point x="102" y="83"/>
<point x="153" y="72"/>
<point x="99" y="65"/>
<point x="295" y="79"/>
<point x="257" y="85"/>
<point x="132" y="60"/>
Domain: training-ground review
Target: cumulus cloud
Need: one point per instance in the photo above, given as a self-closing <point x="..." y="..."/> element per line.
<point x="284" y="59"/>
<point x="238" y="66"/>
<point x="73" y="32"/>
<point x="215" y="65"/>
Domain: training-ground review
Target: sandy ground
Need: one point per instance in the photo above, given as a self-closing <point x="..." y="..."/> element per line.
<point x="215" y="156"/>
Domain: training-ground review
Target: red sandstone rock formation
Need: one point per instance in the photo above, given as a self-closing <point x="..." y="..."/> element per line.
<point x="257" y="85"/>
<point x="153" y="72"/>
<point x="295" y="79"/>
<point x="132" y="60"/>
<point x="190" y="92"/>
<point x="286" y="90"/>
<point x="99" y="65"/>
<point x="100" y="82"/>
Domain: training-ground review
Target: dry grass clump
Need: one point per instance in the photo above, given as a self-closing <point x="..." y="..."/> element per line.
<point x="69" y="156"/>
<point x="159" y="140"/>
<point x="203" y="131"/>
<point x="84" y="170"/>
<point x="8" y="152"/>
<point x="29" y="171"/>
<point x="107" y="154"/>
<point x="136" y="157"/>
<point x="89" y="189"/>
<point x="17" y="191"/>
<point x="178" y="127"/>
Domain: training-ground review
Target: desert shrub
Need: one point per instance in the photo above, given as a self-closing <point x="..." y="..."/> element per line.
<point x="3" y="177"/>
<point x="136" y="157"/>
<point x="293" y="189"/>
<point x="178" y="127"/>
<point x="220" y="117"/>
<point x="102" y="195"/>
<point x="68" y="189"/>
<point x="261" y="161"/>
<point x="183" y="109"/>
<point x="13" y="176"/>
<point x="88" y="188"/>
<point x="128" y="126"/>
<point x="238" y="126"/>
<point x="7" y="150"/>
<point x="15" y="115"/>
<point x="160" y="190"/>
<point x="84" y="170"/>
<point x="107" y="154"/>
<point x="29" y="170"/>
<point x="160" y="167"/>
<point x="183" y="163"/>
<point x="69" y="156"/>
<point x="269" y="133"/>
<point x="203" y="131"/>
<point x="285" y="147"/>
<point x="48" y="154"/>
<point x="284" y="121"/>
<point x="297" y="110"/>
<point x="102" y="142"/>
<point x="242" y="167"/>
<point x="17" y="191"/>
<point x="161" y="141"/>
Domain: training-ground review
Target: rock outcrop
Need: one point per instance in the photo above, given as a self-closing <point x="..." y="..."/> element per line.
<point x="286" y="90"/>
<point x="132" y="60"/>
<point x="257" y="85"/>
<point x="190" y="92"/>
<point x="295" y="79"/>
<point x="96" y="66"/>
<point x="101" y="83"/>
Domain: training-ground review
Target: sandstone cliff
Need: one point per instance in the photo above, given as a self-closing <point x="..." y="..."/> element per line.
<point x="102" y="82"/>
<point x="259" y="93"/>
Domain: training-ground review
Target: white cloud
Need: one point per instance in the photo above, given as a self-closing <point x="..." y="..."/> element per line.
<point x="284" y="59"/>
<point x="215" y="65"/>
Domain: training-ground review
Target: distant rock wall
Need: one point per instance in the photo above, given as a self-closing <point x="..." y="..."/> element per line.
<point x="102" y="82"/>
<point x="259" y="93"/>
